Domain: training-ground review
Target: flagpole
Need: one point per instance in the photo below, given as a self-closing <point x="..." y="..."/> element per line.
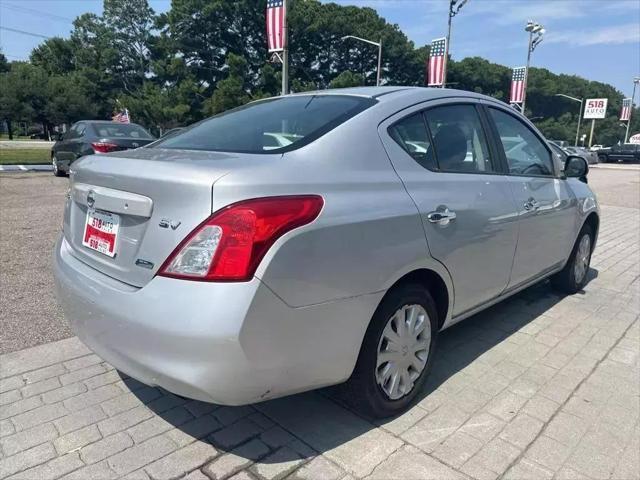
<point x="446" y="47"/>
<point x="285" y="50"/>
<point x="633" y="96"/>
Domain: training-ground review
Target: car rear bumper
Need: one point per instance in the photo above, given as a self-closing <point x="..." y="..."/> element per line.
<point x="228" y="343"/>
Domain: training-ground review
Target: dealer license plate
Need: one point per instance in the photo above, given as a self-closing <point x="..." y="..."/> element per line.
<point x="101" y="232"/>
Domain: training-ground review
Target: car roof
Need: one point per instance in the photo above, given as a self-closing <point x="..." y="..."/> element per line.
<point x="388" y="93"/>
<point x="106" y="122"/>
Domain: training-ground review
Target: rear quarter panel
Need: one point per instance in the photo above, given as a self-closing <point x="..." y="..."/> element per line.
<point x="368" y="234"/>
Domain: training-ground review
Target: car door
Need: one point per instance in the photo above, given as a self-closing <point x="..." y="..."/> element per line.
<point x="62" y="149"/>
<point x="453" y="175"/>
<point x="78" y="144"/>
<point x="546" y="205"/>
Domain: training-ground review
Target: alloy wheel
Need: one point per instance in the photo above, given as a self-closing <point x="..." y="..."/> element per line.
<point x="403" y="350"/>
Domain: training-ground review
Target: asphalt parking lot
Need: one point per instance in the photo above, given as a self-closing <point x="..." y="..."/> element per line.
<point x="540" y="386"/>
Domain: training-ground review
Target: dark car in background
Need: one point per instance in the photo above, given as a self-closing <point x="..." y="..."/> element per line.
<point x="89" y="137"/>
<point x="625" y="152"/>
<point x="588" y="155"/>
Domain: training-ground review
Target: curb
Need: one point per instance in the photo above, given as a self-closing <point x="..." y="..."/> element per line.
<point x="26" y="168"/>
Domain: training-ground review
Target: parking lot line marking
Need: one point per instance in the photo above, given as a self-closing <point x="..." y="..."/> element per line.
<point x="22" y="167"/>
<point x="1" y="168"/>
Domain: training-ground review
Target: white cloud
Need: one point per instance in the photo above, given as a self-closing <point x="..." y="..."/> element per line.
<point x="516" y="11"/>
<point x="613" y="35"/>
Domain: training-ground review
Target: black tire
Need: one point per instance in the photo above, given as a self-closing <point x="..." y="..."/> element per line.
<point x="603" y="159"/>
<point x="362" y="391"/>
<point x="56" y="171"/>
<point x="565" y="280"/>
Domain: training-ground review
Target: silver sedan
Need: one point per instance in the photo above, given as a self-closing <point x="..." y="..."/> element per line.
<point x="226" y="268"/>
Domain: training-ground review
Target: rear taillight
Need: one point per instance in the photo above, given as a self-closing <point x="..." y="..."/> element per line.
<point x="229" y="245"/>
<point x="104" y="147"/>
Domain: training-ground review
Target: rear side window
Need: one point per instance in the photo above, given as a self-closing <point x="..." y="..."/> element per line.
<point x="411" y="134"/>
<point x="273" y="125"/>
<point x="459" y="139"/>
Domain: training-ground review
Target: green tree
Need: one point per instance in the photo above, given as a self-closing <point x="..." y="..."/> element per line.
<point x="4" y="65"/>
<point x="68" y="99"/>
<point x="128" y="25"/>
<point x="24" y="94"/>
<point x="347" y="79"/>
<point x="232" y="91"/>
<point x="55" y="55"/>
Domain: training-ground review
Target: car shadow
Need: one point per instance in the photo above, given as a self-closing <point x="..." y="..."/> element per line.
<point x="305" y="425"/>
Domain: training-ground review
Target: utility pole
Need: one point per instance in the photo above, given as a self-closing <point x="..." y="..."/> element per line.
<point x="537" y="29"/>
<point x="636" y="80"/>
<point x="452" y="13"/>
<point x="285" y="51"/>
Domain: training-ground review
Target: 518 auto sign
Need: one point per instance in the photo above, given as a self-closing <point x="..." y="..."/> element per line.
<point x="595" y="108"/>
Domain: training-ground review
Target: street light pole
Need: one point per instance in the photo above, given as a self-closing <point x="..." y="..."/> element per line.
<point x="636" y="80"/>
<point x="537" y="29"/>
<point x="377" y="44"/>
<point x="526" y="72"/>
<point x="285" y="53"/>
<point x="379" y="63"/>
<point x="581" y="100"/>
<point x="452" y="13"/>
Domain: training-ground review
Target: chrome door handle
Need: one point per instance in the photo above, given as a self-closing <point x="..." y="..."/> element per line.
<point x="531" y="204"/>
<point x="443" y="217"/>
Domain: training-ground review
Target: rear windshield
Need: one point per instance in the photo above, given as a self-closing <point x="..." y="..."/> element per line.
<point x="273" y="125"/>
<point x="121" y="130"/>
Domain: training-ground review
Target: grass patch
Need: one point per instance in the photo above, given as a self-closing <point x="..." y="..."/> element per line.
<point x="17" y="156"/>
<point x="4" y="136"/>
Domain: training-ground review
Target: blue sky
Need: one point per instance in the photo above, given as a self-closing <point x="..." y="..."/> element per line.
<point x="596" y="39"/>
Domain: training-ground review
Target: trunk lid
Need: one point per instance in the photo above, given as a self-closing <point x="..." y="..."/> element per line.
<point x="158" y="196"/>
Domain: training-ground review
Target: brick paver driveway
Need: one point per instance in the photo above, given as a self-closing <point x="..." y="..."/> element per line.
<point x="541" y="386"/>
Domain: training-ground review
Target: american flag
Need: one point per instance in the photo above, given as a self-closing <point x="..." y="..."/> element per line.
<point x="518" y="84"/>
<point x="122" y="117"/>
<point x="276" y="18"/>
<point x="437" y="62"/>
<point x="625" y="113"/>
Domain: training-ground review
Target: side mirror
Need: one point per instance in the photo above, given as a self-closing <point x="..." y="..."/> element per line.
<point x="576" y="167"/>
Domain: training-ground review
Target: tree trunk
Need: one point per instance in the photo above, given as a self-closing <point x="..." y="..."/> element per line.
<point x="10" y="129"/>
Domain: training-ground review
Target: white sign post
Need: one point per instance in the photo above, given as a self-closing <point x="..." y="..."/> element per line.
<point x="595" y="108"/>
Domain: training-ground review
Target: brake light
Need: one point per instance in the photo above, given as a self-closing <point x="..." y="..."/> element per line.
<point x="104" y="147"/>
<point x="229" y="245"/>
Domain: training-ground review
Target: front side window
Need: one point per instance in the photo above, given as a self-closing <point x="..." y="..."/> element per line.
<point x="459" y="141"/>
<point x="525" y="152"/>
<point x="411" y="134"/>
<point x="273" y="125"/>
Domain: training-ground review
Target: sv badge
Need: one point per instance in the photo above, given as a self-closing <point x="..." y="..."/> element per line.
<point x="166" y="223"/>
